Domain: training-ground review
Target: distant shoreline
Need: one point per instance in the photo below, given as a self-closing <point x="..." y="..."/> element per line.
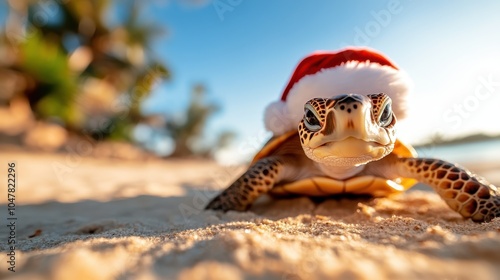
<point x="439" y="141"/>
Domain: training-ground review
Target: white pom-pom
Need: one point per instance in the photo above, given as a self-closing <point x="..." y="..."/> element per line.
<point x="277" y="118"/>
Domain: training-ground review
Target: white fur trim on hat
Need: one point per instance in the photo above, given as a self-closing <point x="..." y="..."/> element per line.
<point x="352" y="77"/>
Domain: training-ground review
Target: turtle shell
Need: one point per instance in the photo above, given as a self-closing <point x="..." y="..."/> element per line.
<point x="325" y="186"/>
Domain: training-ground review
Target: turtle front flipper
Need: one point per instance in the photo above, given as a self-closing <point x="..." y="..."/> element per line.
<point x="466" y="193"/>
<point x="257" y="180"/>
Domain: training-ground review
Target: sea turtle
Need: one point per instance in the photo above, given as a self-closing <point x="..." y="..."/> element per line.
<point x="347" y="143"/>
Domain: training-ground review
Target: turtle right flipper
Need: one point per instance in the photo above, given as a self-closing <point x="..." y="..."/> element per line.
<point x="257" y="180"/>
<point x="466" y="193"/>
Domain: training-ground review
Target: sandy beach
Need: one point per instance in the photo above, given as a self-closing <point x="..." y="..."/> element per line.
<point x="88" y="218"/>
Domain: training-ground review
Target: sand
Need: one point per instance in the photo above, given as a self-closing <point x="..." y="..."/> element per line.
<point x="87" y="218"/>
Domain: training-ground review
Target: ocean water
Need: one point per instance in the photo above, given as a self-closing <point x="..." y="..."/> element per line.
<point x="467" y="152"/>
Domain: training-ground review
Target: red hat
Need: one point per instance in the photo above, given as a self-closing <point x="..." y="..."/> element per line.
<point x="327" y="74"/>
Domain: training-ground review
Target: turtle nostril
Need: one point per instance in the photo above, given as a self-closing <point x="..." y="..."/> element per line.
<point x="348" y="102"/>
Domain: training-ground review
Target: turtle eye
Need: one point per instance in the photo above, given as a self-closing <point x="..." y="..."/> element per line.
<point x="310" y="120"/>
<point x="385" y="118"/>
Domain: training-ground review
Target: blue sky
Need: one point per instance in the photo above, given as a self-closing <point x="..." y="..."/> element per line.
<point x="246" y="56"/>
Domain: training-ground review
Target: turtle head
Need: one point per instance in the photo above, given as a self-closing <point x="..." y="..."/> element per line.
<point x="348" y="130"/>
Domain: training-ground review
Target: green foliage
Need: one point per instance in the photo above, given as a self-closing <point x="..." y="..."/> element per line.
<point x="56" y="86"/>
<point x="80" y="98"/>
<point x="93" y="78"/>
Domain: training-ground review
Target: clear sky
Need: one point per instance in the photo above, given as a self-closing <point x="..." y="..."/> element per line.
<point x="245" y="55"/>
<point x="245" y="50"/>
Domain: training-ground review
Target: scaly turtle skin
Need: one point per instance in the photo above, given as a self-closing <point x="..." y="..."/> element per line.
<point x="347" y="144"/>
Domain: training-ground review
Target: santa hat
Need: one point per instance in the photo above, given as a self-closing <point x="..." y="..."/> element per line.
<point x="328" y="74"/>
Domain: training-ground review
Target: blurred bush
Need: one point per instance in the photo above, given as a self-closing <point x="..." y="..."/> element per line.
<point x="188" y="130"/>
<point x="74" y="70"/>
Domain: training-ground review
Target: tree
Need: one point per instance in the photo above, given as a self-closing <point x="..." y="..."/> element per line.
<point x="187" y="131"/>
<point x="76" y="70"/>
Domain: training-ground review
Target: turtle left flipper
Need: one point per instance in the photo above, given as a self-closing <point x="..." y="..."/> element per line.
<point x="466" y="193"/>
<point x="257" y="180"/>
